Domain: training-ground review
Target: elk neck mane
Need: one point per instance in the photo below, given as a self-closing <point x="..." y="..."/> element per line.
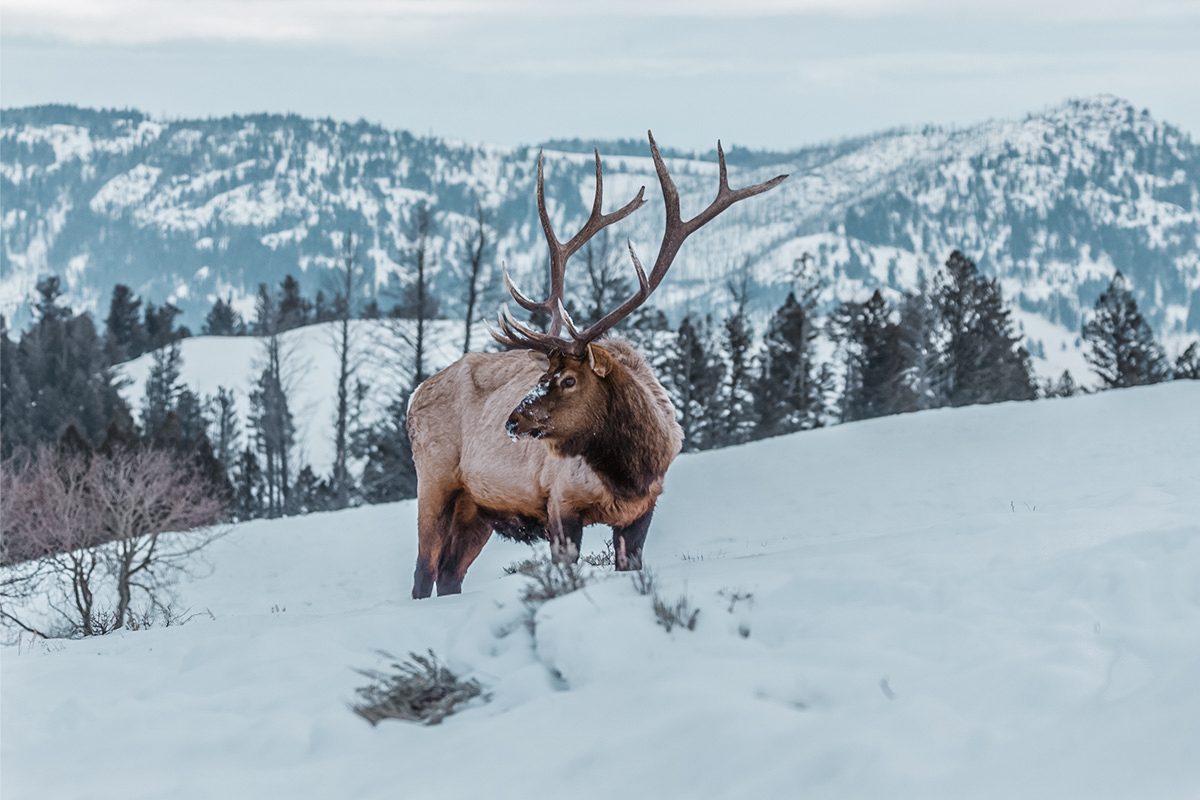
<point x="635" y="436"/>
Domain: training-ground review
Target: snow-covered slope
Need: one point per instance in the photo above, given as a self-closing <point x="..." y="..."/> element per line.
<point x="309" y="361"/>
<point x="989" y="602"/>
<point x="1052" y="204"/>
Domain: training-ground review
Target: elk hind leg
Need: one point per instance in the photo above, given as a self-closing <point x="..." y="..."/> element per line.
<point x="628" y="541"/>
<point x="435" y="531"/>
<point x="469" y="532"/>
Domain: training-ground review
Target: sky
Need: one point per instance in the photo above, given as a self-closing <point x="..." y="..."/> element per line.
<point x="773" y="74"/>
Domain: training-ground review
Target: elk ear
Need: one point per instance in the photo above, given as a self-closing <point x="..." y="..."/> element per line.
<point x="599" y="360"/>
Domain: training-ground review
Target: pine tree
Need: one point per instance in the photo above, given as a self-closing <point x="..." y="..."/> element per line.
<point x="786" y="398"/>
<point x="737" y="422"/>
<point x="56" y="376"/>
<point x="981" y="360"/>
<point x="1123" y="349"/>
<point x="293" y="310"/>
<point x="160" y="326"/>
<point x="227" y="426"/>
<point x="920" y="342"/>
<point x="876" y="368"/>
<point x="274" y="428"/>
<point x="389" y="473"/>
<point x="694" y="376"/>
<point x="125" y="335"/>
<point x="1187" y="366"/>
<point x="224" y="320"/>
<point x="248" y="487"/>
<point x="162" y="388"/>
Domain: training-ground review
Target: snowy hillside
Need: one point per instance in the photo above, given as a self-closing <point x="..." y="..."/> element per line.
<point x="310" y="366"/>
<point x="194" y="209"/>
<point x="988" y="602"/>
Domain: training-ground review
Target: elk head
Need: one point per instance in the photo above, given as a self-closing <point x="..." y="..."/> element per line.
<point x="563" y="401"/>
<point x="567" y="400"/>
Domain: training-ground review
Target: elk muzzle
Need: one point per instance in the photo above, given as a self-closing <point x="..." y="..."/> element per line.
<point x="529" y="418"/>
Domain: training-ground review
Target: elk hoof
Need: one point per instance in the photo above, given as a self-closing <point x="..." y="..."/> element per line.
<point x="563" y="552"/>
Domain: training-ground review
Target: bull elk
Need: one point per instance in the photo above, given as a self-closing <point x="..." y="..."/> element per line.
<point x="556" y="433"/>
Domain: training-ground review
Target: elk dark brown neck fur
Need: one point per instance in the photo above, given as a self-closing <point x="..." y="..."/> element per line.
<point x="629" y="448"/>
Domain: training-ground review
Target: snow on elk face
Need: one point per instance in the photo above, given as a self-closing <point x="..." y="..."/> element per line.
<point x="569" y="399"/>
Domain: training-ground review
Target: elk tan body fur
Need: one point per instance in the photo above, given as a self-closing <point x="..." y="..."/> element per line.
<point x="474" y="475"/>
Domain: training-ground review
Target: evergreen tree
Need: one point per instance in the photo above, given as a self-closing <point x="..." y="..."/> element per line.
<point x="786" y="398"/>
<point x="227" y="427"/>
<point x="693" y="377"/>
<point x="274" y="429"/>
<point x="56" y="376"/>
<point x="224" y="320"/>
<point x="266" y="312"/>
<point x="125" y="335"/>
<point x="1187" y="366"/>
<point x="193" y="419"/>
<point x="920" y="340"/>
<point x="248" y="487"/>
<point x="389" y="473"/>
<point x="1123" y="350"/>
<point x="162" y="388"/>
<point x="293" y="310"/>
<point x="1064" y="387"/>
<point x="876" y="367"/>
<point x="737" y="421"/>
<point x="981" y="360"/>
<point x="160" y="326"/>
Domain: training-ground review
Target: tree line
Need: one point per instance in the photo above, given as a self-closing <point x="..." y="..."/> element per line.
<point x="950" y="343"/>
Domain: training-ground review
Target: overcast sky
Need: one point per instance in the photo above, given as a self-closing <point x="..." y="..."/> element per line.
<point x="761" y="73"/>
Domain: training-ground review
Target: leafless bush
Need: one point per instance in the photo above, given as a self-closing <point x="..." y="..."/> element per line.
<point x="605" y="558"/>
<point x="681" y="614"/>
<point x="644" y="582"/>
<point x="420" y="689"/>
<point x="82" y="532"/>
<point x="549" y="580"/>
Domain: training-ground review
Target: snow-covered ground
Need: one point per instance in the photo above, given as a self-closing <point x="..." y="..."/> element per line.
<point x="310" y="365"/>
<point x="989" y="602"/>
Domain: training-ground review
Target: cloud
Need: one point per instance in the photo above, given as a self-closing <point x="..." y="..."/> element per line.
<point x="384" y="22"/>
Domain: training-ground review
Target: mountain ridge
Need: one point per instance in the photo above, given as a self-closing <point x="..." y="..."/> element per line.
<point x="189" y="210"/>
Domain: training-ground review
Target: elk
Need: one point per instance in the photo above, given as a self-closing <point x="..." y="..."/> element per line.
<point x="558" y="432"/>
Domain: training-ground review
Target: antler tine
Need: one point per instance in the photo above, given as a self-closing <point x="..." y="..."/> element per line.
<point x="600" y="326"/>
<point x="559" y="252"/>
<point x="523" y="301"/>
<point x="514" y="335"/>
<point x="676" y="229"/>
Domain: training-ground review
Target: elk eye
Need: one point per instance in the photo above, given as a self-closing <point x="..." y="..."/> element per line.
<point x="567" y="383"/>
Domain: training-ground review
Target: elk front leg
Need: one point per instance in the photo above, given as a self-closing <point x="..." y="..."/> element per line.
<point x="628" y="541"/>
<point x="566" y="535"/>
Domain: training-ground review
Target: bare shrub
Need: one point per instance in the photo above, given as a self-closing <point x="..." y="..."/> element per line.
<point x="681" y="614"/>
<point x="549" y="580"/>
<point x="82" y="533"/>
<point x="644" y="582"/>
<point x="605" y="558"/>
<point x="421" y="689"/>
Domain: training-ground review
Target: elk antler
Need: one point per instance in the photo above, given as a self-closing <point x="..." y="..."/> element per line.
<point x="517" y="336"/>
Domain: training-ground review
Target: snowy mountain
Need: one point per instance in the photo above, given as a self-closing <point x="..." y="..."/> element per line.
<point x="190" y="210"/>
<point x="985" y="602"/>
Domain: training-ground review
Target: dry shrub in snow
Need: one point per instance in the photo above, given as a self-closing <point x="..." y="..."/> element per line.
<point x="681" y="614"/>
<point x="549" y="580"/>
<point x="81" y="536"/>
<point x="420" y="690"/>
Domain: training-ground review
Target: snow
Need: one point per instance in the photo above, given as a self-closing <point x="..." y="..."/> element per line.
<point x="990" y="602"/>
<point x="310" y="367"/>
